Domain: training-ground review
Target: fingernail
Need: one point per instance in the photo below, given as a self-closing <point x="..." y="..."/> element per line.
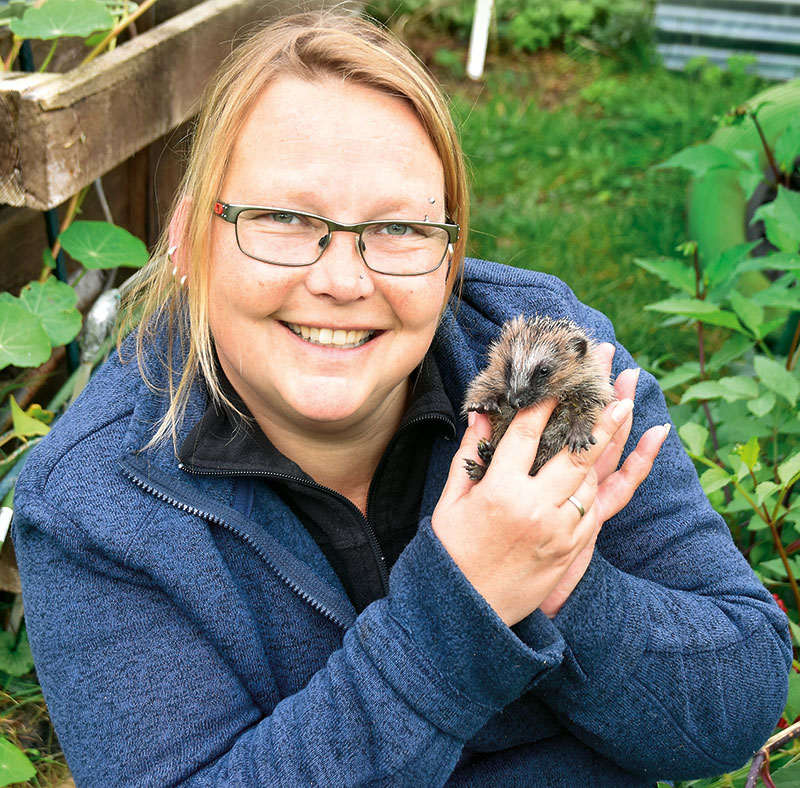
<point x="667" y="428"/>
<point x="470" y="418"/>
<point x="622" y="409"/>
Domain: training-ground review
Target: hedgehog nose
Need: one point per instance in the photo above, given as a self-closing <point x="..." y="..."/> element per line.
<point x="515" y="400"/>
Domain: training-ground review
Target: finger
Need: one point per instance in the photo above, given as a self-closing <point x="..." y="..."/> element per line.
<point x="625" y="387"/>
<point x="616" y="490"/>
<point x="517" y="449"/>
<point x="564" y="472"/>
<point x="606" y="351"/>
<point x="458" y="480"/>
<point x="626" y="382"/>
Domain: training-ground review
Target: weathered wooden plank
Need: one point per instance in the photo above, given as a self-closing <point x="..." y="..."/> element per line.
<point x="58" y="132"/>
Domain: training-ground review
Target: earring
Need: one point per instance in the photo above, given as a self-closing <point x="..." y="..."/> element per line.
<point x="171" y="251"/>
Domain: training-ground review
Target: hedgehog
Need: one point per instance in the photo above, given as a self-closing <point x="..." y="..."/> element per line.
<point x="533" y="359"/>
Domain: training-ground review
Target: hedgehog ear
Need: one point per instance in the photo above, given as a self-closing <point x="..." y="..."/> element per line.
<point x="580" y="346"/>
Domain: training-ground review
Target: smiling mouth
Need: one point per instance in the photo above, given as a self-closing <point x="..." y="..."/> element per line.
<point x="329" y="337"/>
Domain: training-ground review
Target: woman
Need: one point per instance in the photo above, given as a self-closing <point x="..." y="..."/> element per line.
<point x="255" y="559"/>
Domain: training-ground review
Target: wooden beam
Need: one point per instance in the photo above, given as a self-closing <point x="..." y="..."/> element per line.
<point x="58" y="132"/>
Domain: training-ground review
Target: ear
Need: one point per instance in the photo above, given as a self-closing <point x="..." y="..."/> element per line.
<point x="580" y="346"/>
<point x="178" y="233"/>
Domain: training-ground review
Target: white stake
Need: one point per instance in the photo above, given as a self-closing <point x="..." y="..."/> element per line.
<point x="478" y="38"/>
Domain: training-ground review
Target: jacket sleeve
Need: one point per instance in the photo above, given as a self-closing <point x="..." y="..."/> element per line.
<point x="141" y="697"/>
<point x="676" y="656"/>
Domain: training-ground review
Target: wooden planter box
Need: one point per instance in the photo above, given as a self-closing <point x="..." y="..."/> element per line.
<point x="58" y="132"/>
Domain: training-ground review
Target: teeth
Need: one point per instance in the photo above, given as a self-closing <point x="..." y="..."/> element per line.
<point x="332" y="337"/>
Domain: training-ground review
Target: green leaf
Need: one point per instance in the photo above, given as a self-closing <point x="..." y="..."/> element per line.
<point x="15" y="657"/>
<point x="713" y="479"/>
<point x="787" y="777"/>
<point x="782" y="219"/>
<point x="730" y="389"/>
<point x="699" y="310"/>
<point x="724" y="270"/>
<point x="54" y="302"/>
<point x="25" y="425"/>
<point x="748" y="311"/>
<point x="683" y="373"/>
<point x="789" y="468"/>
<point x="778" y="295"/>
<point x="699" y="159"/>
<point x="694" y="437"/>
<point x="764" y="490"/>
<point x="14" y="9"/>
<point x="778" y="261"/>
<point x="15" y="767"/>
<point x="748" y="452"/>
<point x="792" y="708"/>
<point x="777" y="378"/>
<point x="103" y="245"/>
<point x="787" y="146"/>
<point x="673" y="272"/>
<point x="762" y="405"/>
<point x="740" y="387"/>
<point x="57" y="18"/>
<point x="23" y="340"/>
<point x="734" y="347"/>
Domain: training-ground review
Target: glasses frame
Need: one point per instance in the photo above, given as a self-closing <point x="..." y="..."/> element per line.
<point x="230" y="213"/>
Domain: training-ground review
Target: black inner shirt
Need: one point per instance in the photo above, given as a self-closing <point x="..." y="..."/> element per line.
<point x="360" y="549"/>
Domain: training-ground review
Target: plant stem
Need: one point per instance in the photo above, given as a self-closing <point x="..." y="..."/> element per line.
<point x="791" y="356"/>
<point x="768" y="151"/>
<point x="775" y="743"/>
<point x="123" y="23"/>
<point x="49" y="57"/>
<point x="12" y="55"/>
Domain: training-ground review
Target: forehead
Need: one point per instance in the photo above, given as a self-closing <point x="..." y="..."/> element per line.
<point x="333" y="143"/>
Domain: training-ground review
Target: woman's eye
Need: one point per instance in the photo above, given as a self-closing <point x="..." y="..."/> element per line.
<point x="282" y="218"/>
<point x="396" y="228"/>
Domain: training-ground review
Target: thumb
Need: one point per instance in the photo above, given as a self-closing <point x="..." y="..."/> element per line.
<point x="458" y="481"/>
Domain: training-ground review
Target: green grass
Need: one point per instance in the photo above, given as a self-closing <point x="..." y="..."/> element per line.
<point x="562" y="149"/>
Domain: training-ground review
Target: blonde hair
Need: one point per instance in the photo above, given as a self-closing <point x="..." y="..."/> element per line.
<point x="308" y="46"/>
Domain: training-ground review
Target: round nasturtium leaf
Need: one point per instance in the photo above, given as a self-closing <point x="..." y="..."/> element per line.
<point x="54" y="302"/>
<point x="15" y="767"/>
<point x="23" y="340"/>
<point x="103" y="245"/>
<point x="57" y="18"/>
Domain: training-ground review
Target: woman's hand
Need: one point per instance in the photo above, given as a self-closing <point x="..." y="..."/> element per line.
<point x="518" y="539"/>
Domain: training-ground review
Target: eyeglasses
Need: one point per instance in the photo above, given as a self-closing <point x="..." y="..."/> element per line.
<point x="283" y="236"/>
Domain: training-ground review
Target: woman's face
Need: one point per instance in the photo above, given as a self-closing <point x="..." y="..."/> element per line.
<point x="352" y="154"/>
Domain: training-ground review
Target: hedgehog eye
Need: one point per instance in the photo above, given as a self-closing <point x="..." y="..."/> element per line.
<point x="543" y="371"/>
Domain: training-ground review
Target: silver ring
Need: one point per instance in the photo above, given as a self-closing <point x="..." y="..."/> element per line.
<point x="577" y="504"/>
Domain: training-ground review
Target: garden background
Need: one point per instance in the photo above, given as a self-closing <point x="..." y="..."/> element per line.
<point x="564" y="134"/>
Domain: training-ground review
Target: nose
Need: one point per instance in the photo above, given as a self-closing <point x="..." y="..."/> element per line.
<point x="340" y="272"/>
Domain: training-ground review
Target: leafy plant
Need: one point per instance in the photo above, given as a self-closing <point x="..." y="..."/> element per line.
<point x="44" y="316"/>
<point x="528" y="27"/>
<point x="738" y="407"/>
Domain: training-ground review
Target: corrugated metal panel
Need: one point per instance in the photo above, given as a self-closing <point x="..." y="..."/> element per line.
<point x="717" y="29"/>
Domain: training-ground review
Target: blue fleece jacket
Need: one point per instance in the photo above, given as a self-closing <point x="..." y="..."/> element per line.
<point x="188" y="631"/>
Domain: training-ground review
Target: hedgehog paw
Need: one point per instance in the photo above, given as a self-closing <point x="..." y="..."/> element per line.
<point x="485" y="450"/>
<point x="475" y="470"/>
<point x="580" y="440"/>
<point x="485" y="406"/>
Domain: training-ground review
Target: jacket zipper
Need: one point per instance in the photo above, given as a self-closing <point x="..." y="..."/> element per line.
<point x="368" y="529"/>
<point x="213" y="518"/>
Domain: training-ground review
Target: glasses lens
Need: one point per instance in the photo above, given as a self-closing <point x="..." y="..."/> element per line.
<point x="281" y="237"/>
<point x="402" y="248"/>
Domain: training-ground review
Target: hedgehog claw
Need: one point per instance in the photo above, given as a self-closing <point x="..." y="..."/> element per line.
<point x="487" y="406"/>
<point x="475" y="470"/>
<point x="485" y="450"/>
